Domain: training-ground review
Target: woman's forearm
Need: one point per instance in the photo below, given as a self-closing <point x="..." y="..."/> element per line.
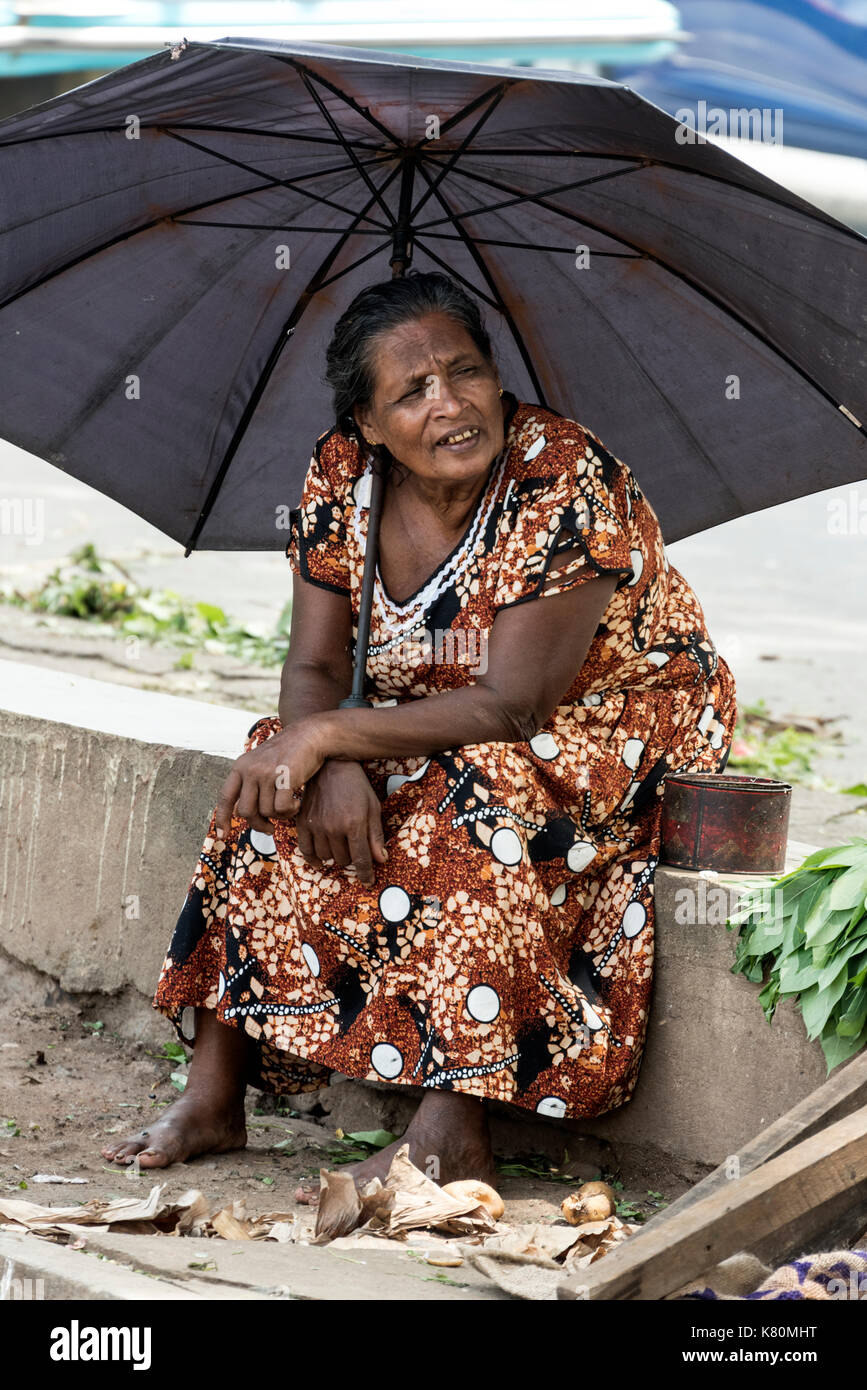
<point x="452" y="719"/>
<point x="308" y="690"/>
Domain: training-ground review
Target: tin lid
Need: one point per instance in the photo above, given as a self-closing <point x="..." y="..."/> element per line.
<point x="724" y="781"/>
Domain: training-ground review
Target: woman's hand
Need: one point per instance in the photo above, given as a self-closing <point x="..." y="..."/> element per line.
<point x="341" y="819"/>
<point x="265" y="784"/>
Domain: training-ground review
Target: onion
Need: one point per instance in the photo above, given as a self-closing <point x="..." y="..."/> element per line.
<point x="593" y="1202"/>
<point x="469" y="1190"/>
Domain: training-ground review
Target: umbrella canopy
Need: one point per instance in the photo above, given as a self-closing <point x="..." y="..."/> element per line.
<point x="179" y="237"/>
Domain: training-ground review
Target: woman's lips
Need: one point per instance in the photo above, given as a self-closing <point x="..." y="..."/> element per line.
<point x="465" y="444"/>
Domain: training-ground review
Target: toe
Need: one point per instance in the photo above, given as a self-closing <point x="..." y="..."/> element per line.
<point x="154" y="1158"/>
<point x="122" y="1153"/>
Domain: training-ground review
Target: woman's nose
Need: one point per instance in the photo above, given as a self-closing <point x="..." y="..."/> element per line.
<point x="448" y="400"/>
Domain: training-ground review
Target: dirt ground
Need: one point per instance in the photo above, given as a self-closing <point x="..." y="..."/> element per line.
<point x="66" y="1086"/>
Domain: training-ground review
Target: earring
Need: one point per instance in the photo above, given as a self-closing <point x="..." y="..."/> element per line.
<point x="501" y="390"/>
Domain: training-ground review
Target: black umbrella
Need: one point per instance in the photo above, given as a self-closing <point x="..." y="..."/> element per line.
<point x="179" y="236"/>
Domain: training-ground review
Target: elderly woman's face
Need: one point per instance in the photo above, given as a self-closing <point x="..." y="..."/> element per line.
<point x="431" y="383"/>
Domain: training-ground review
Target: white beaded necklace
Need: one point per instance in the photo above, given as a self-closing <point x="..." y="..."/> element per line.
<point x="400" y="619"/>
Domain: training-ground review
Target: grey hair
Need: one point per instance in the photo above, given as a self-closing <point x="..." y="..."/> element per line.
<point x="375" y="310"/>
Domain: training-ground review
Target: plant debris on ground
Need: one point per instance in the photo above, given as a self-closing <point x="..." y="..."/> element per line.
<point x="101" y="592"/>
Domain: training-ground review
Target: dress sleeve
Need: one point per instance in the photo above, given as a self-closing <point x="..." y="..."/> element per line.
<point x="317" y="548"/>
<point x="584" y="506"/>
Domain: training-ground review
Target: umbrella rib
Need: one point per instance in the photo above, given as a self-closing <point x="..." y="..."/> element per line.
<point x="289" y="327"/>
<point x="684" y="278"/>
<point x="803" y="207"/>
<point x="516" y="245"/>
<point x="276" y="182"/>
<point x="353" y="265"/>
<point x="297" y="227"/>
<point x="453" y="271"/>
<point x="180" y="219"/>
<point x="178" y="125"/>
<point x="524" y="197"/>
<point x="497" y="97"/>
<point x="334" y="126"/>
<point x="503" y="308"/>
<point x="487" y="95"/>
<point x="308" y="73"/>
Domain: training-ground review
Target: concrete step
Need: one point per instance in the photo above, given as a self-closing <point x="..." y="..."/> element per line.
<point x="161" y="1268"/>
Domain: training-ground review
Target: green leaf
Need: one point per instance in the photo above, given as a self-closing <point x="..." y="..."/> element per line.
<point x="849" y="888"/>
<point x="853" y="1020"/>
<point x="174" y="1052"/>
<point x="843" y="856"/>
<point x="817" y="1003"/>
<point x="798" y="972"/>
<point x="376" y="1138"/>
<point x="838" y="1049"/>
<point x="211" y="614"/>
<point x="839" y="958"/>
<point x="769" y="997"/>
<point x="179" y="1080"/>
<point x="821" y="932"/>
<point x="763" y="938"/>
<point x="860" y="976"/>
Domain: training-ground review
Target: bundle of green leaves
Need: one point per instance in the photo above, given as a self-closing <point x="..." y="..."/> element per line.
<point x="803" y="935"/>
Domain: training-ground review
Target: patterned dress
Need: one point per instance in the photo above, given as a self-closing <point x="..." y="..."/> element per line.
<point x="506" y="947"/>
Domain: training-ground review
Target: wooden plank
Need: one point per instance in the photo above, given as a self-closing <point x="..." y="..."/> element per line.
<point x="837" y="1224"/>
<point x="837" y="1097"/>
<point x="677" y="1247"/>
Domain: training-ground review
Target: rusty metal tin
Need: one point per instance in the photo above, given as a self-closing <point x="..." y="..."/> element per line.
<point x="722" y="821"/>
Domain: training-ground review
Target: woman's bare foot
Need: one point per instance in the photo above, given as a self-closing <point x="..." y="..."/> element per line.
<point x="209" y="1116"/>
<point x="449" y="1138"/>
<point x="189" y="1127"/>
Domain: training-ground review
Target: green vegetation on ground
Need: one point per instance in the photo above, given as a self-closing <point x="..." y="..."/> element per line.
<point x="101" y="592"/>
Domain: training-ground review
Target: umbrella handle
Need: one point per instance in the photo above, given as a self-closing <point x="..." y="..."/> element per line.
<point x="356" y="700"/>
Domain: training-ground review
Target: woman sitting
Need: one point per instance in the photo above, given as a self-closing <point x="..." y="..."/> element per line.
<point x="462" y="898"/>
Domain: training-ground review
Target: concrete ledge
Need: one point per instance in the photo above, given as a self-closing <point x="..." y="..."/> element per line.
<point x="36" y="1269"/>
<point x="103" y="817"/>
<point x="714" y="1071"/>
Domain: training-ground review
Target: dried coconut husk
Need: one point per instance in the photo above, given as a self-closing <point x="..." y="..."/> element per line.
<point x="339" y="1210"/>
<point x="138" y="1214"/>
<point x="420" y="1204"/>
<point x="595" y="1239"/>
<point x="412" y="1202"/>
<point x="376" y="1203"/>
<point x="195" y="1217"/>
<point x="229" y="1227"/>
